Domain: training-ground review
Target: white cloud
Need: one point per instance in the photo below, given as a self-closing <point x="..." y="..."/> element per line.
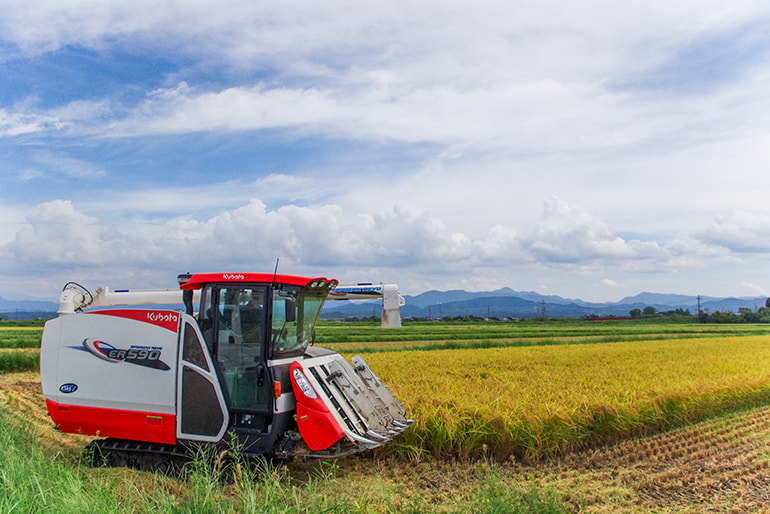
<point x="604" y="104"/>
<point x="155" y="204"/>
<point x="568" y="235"/>
<point x="58" y="164"/>
<point x="16" y="122"/>
<point x="13" y="221"/>
<point x="78" y="117"/>
<point x="308" y="239"/>
<point x="57" y="234"/>
<point x="756" y="289"/>
<point x="739" y="232"/>
<point x="244" y="30"/>
<point x="435" y="72"/>
<point x="501" y="244"/>
<point x="183" y="109"/>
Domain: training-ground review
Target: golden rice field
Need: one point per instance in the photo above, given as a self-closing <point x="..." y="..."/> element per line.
<point x="528" y="390"/>
<point x="597" y="398"/>
<point x="530" y="402"/>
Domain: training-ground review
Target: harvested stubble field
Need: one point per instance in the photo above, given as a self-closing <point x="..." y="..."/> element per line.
<point x="684" y="427"/>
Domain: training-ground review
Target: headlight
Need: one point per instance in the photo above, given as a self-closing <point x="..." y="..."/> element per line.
<point x="303" y="384"/>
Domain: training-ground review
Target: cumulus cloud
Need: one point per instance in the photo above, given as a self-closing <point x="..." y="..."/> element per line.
<point x="55" y="233"/>
<point x="568" y="235"/>
<point x="250" y="236"/>
<point x="502" y="244"/>
<point x="404" y="237"/>
<point x="403" y="243"/>
<point x="739" y="232"/>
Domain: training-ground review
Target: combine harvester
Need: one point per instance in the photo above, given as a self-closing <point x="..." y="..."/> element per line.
<point x="241" y="373"/>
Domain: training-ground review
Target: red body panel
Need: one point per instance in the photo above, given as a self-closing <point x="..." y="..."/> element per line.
<point x="198" y="280"/>
<point x="318" y="428"/>
<point x="138" y="426"/>
<point x="316" y="423"/>
<point x="164" y="319"/>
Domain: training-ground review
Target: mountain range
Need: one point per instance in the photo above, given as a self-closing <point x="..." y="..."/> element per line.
<point x="501" y="303"/>
<point x="507" y="303"/>
<point x="27" y="309"/>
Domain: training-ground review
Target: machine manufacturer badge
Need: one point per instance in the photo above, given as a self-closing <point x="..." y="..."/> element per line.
<point x="68" y="388"/>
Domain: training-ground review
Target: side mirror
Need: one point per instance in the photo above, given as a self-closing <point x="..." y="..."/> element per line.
<point x="290" y="306"/>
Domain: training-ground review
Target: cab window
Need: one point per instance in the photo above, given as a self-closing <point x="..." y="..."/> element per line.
<point x="295" y="313"/>
<point x="234" y="317"/>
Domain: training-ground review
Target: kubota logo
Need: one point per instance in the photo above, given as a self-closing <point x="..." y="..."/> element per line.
<point x="162" y="316"/>
<point x="230" y="276"/>
<point x="147" y="356"/>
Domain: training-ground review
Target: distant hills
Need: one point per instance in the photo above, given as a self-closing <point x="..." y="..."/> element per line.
<point x="500" y="303"/>
<point x="507" y="303"/>
<point x="27" y="309"/>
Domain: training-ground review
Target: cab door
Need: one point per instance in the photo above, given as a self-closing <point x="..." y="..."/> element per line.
<point x="201" y="408"/>
<point x="237" y="317"/>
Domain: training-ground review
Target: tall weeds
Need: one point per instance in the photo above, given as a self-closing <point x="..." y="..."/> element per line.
<point x="31" y="481"/>
<point x="13" y="361"/>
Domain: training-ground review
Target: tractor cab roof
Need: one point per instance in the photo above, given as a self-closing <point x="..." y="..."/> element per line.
<point x="198" y="280"/>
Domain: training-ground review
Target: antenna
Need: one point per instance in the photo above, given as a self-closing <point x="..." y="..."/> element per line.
<point x="275" y="272"/>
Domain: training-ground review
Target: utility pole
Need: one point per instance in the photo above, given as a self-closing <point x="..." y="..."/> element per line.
<point x="698" y="305"/>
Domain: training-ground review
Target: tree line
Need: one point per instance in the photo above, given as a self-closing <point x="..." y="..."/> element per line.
<point x="744" y="314"/>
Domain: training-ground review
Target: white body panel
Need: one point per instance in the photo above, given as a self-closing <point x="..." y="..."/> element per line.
<point x="72" y="299"/>
<point x="140" y="374"/>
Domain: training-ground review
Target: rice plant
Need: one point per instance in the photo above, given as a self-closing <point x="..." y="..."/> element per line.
<point x="537" y="401"/>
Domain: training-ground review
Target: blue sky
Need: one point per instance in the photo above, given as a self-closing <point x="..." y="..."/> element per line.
<point x="592" y="150"/>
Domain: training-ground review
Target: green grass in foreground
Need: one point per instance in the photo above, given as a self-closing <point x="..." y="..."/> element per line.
<point x="33" y="481"/>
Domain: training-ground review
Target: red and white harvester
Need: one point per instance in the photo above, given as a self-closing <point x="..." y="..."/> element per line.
<point x="241" y="372"/>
